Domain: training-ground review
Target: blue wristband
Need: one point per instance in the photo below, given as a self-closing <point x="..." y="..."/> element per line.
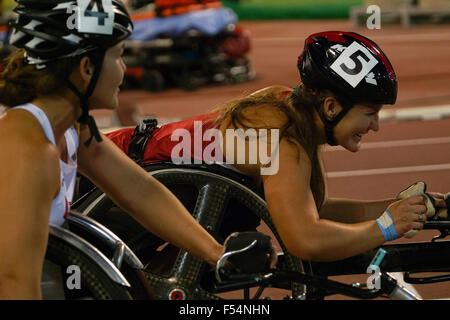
<point x="386" y="225"/>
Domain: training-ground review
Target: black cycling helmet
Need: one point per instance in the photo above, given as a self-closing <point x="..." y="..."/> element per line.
<point x="353" y="67"/>
<point x="56" y="29"/>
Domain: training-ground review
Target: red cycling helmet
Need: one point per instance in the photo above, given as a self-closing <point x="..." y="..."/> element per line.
<point x="351" y="66"/>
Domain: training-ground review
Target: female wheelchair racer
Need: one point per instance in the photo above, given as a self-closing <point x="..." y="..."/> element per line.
<point x="337" y="103"/>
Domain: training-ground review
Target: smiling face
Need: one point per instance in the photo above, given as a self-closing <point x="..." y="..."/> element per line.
<point x="107" y="90"/>
<point x="359" y="120"/>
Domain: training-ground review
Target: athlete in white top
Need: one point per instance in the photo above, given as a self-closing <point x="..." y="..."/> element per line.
<point x="59" y="73"/>
<point x="68" y="170"/>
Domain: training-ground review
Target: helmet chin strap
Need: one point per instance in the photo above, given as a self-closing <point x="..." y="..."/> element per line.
<point x="329" y="125"/>
<point x="85" y="118"/>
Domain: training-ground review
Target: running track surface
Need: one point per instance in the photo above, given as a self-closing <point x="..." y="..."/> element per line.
<point x="404" y="150"/>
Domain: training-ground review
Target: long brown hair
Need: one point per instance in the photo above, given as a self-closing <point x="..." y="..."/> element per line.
<point x="21" y="82"/>
<point x="300" y="125"/>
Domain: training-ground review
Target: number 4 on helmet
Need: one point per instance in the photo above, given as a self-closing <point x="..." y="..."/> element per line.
<point x="96" y="16"/>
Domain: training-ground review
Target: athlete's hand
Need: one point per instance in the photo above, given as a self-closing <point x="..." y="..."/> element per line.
<point x="439" y="199"/>
<point x="431" y="200"/>
<point x="245" y="253"/>
<point x="408" y="214"/>
<point x="442" y="202"/>
<point x="419" y="189"/>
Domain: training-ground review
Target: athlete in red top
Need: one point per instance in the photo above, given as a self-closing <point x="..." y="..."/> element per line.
<point x="345" y="81"/>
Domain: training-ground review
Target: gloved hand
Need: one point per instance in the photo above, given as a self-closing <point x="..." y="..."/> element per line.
<point x="442" y="213"/>
<point x="246" y="253"/>
<point x="418" y="189"/>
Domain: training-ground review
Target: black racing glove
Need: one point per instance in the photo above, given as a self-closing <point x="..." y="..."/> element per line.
<point x="246" y="253"/>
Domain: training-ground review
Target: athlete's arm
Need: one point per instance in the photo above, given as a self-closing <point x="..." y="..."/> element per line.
<point x="28" y="184"/>
<point x="352" y="211"/>
<point x="305" y="234"/>
<point x="145" y="198"/>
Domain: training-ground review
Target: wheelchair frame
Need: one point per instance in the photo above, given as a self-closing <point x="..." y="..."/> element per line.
<point x="307" y="281"/>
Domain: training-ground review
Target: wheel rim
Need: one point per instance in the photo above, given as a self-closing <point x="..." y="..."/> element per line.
<point x="214" y="191"/>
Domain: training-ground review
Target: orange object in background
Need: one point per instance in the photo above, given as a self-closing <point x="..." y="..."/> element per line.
<point x="213" y="5"/>
<point x="143" y="16"/>
<point x="180" y="10"/>
<point x="195" y="7"/>
<point x="167" y="8"/>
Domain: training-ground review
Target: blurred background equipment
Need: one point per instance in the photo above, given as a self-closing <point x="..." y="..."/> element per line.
<point x="187" y="44"/>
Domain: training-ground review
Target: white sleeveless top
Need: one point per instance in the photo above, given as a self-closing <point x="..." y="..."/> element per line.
<point x="61" y="204"/>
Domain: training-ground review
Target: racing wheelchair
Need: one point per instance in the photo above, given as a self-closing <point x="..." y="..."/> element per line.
<point x="122" y="260"/>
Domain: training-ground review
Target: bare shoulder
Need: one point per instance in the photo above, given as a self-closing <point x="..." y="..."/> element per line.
<point x="25" y="131"/>
<point x="25" y="147"/>
<point x="286" y="162"/>
<point x="292" y="153"/>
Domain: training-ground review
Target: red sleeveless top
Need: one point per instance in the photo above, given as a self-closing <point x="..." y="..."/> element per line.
<point x="171" y="137"/>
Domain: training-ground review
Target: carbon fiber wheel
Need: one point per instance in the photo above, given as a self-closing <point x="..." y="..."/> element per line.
<point x="221" y="200"/>
<point x="69" y="274"/>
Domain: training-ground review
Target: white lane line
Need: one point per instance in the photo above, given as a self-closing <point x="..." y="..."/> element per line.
<point x="381" y="171"/>
<point x="413" y="37"/>
<point x="395" y="143"/>
<point x="419" y="113"/>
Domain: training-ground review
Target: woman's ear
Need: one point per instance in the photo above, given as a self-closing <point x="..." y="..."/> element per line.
<point x="86" y="70"/>
<point x="331" y="108"/>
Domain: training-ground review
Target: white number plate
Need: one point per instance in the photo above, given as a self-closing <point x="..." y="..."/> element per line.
<point x="95" y="16"/>
<point x="354" y="64"/>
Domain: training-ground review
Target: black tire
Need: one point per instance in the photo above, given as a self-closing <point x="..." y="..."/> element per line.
<point x="95" y="284"/>
<point x="225" y="200"/>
